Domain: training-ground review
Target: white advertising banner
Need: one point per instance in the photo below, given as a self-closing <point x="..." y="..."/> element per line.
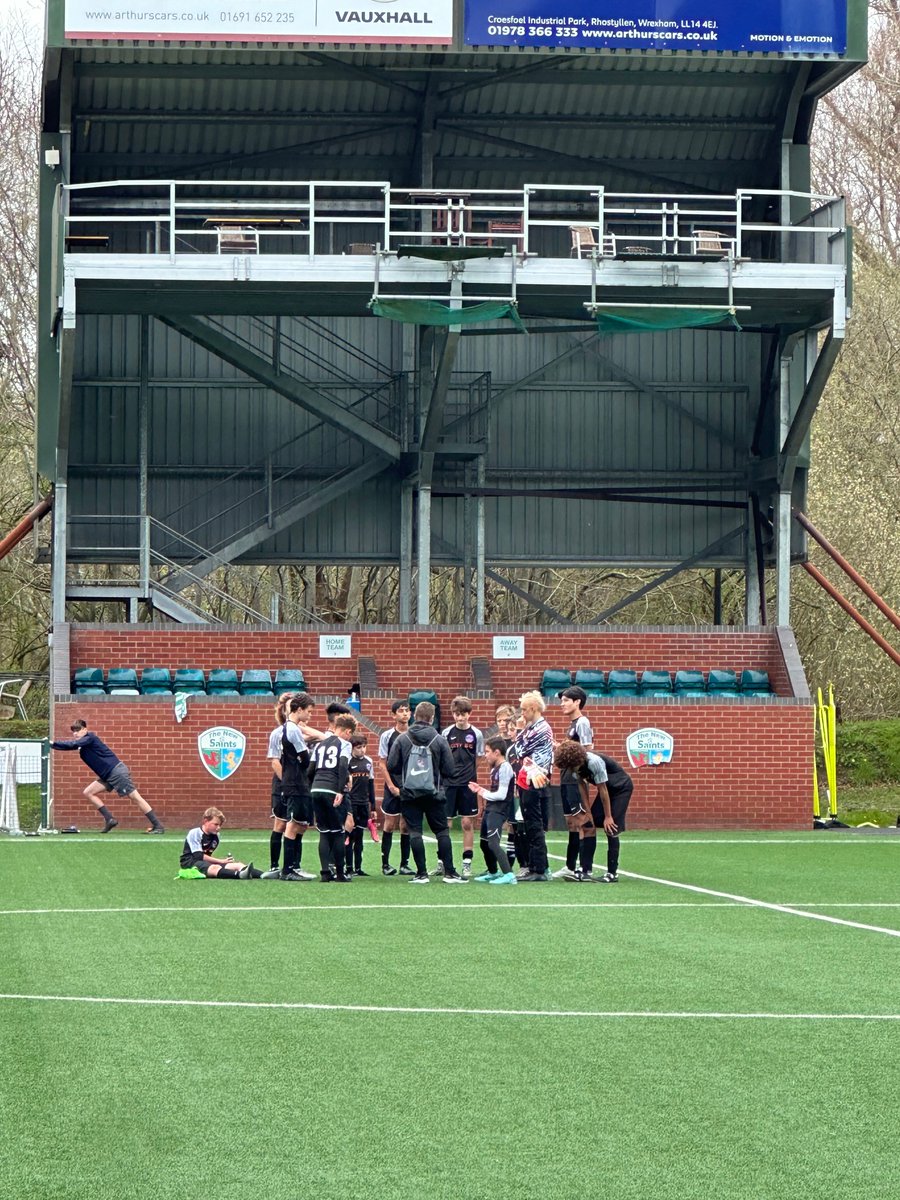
<point x="388" y="22"/>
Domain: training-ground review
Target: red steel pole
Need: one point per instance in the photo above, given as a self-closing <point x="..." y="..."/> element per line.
<point x="851" y="611"/>
<point x="15" y="536"/>
<point x="861" y="583"/>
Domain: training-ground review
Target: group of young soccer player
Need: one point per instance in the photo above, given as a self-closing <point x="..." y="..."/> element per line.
<point x="326" y="780"/>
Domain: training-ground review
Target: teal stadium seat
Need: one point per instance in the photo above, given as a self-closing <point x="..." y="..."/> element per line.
<point x="423" y="696"/>
<point x="189" y="680"/>
<point x="122" y="681"/>
<point x="553" y="681"/>
<point x="256" y="681"/>
<point x="656" y="683"/>
<point x="722" y="683"/>
<point x="755" y="683"/>
<point x="88" y="681"/>
<point x="222" y="681"/>
<point x="622" y="683"/>
<point x="591" y="682"/>
<point x="289" y="681"/>
<point x="689" y="683"/>
<point x="156" y="681"/>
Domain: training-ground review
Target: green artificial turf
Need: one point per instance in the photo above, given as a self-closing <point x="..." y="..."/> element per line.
<point x="634" y="1093"/>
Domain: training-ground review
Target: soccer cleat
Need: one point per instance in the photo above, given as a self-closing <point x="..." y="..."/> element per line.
<point x="327" y="877"/>
<point x="388" y="870"/>
<point x="466" y="868"/>
<point x="274" y="873"/>
<point x="509" y="877"/>
<point x="488" y="876"/>
<point x="154" y="829"/>
<point x="361" y="874"/>
<point x="246" y="872"/>
<point x="110" y="824"/>
<point x="521" y="874"/>
<point x="406" y="870"/>
<point x="564" y="873"/>
<point x="304" y="875"/>
<point x="438" y="870"/>
<point x="342" y="879"/>
<point x="295" y="877"/>
<point x="373" y="831"/>
<point x="420" y="879"/>
<point x="454" y="878"/>
<point x="608" y="877"/>
<point x="535" y="877"/>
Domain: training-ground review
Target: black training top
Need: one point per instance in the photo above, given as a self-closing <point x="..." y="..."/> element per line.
<point x="94" y="753"/>
<point x="196" y="844"/>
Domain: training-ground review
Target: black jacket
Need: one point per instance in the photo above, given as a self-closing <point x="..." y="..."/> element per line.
<point x="423" y="735"/>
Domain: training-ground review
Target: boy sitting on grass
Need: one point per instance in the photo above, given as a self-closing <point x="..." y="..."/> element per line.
<point x="198" y="853"/>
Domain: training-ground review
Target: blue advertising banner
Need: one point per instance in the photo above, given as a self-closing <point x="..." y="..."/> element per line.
<point x="782" y="26"/>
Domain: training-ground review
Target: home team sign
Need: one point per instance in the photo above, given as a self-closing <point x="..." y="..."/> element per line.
<point x="380" y="22"/>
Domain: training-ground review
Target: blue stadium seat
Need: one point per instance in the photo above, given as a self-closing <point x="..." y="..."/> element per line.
<point x="553" y="681"/>
<point x="156" y="681"/>
<point x="592" y="682"/>
<point x="256" y="681"/>
<point x="189" y="680"/>
<point x="656" y="683"/>
<point x="222" y="680"/>
<point x="287" y="680"/>
<point x="122" y="681"/>
<point x="622" y="683"/>
<point x="722" y="683"/>
<point x="88" y="681"/>
<point x="755" y="683"/>
<point x="688" y="683"/>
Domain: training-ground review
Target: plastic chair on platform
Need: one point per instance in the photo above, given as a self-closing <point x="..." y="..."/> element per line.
<point x="656" y="683"/>
<point x="689" y="683"/>
<point x="592" y="682"/>
<point x="755" y="683"/>
<point x="287" y="680"/>
<point x="156" y="681"/>
<point x="722" y="682"/>
<point x="256" y="681"/>
<point x="622" y="683"/>
<point x="222" y="681"/>
<point x="189" y="680"/>
<point x="553" y="681"/>
<point x="88" y="681"/>
<point x="122" y="681"/>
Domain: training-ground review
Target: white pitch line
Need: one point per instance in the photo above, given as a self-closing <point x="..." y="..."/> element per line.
<point x="599" y="1014"/>
<point x="810" y="839"/>
<point x="494" y="907"/>
<point x="753" y="903"/>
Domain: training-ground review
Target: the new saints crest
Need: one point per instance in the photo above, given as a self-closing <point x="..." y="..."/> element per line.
<point x="649" y="747"/>
<point x="221" y="750"/>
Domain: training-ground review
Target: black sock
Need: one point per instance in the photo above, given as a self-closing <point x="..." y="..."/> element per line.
<point x="338" y="850"/>
<point x="105" y="813"/>
<point x="510" y="852"/>
<point x="467" y="855"/>
<point x="612" y="854"/>
<point x="588" y="850"/>
<point x="572" y="850"/>
<point x="227" y="873"/>
<point x="404" y="849"/>
<point x="153" y="819"/>
<point x="290" y="853"/>
<point x="275" y="849"/>
<point x="387" y="840"/>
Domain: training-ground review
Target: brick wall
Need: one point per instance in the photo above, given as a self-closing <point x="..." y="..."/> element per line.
<point x="736" y="764"/>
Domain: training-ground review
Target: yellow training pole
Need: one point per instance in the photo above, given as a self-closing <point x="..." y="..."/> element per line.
<point x="832" y="745"/>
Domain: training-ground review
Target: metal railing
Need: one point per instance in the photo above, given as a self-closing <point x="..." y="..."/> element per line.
<point x="176" y="218"/>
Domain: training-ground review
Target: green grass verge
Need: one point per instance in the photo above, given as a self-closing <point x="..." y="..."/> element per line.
<point x="151" y="1101"/>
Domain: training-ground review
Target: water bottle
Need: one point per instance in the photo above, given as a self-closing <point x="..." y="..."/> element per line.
<point x="353" y="698"/>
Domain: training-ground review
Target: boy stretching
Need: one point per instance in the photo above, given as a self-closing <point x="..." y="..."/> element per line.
<point x="614" y="788"/>
<point x="198" y="852"/>
<point x="496" y="814"/>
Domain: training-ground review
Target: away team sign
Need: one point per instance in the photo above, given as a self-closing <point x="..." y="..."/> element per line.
<point x="388" y="22"/>
<point x="221" y="750"/>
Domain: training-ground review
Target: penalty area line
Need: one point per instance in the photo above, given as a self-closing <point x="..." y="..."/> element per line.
<point x="751" y="902"/>
<point x="403" y="1010"/>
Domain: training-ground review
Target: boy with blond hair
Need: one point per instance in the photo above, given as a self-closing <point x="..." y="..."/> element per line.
<point x="198" y="852"/>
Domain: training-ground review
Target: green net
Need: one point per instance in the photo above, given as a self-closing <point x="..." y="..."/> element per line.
<point x="637" y="320"/>
<point x="433" y="312"/>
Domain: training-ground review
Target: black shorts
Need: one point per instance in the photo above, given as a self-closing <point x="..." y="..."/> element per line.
<point x="329" y="816"/>
<point x="362" y="813"/>
<point x="496" y="814"/>
<point x="572" y="798"/>
<point x="390" y="805"/>
<point x="279" y="807"/>
<point x="299" y="808"/>
<point x="618" y="806"/>
<point x="461" y="802"/>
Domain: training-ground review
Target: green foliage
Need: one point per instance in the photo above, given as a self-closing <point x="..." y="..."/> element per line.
<point x="868" y="752"/>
